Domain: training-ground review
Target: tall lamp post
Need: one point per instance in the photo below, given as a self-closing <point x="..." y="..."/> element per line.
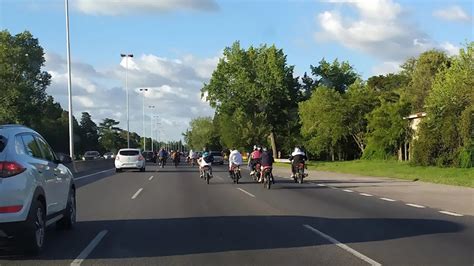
<point x="127" y="56"/>
<point x="151" y="126"/>
<point x="143" y="117"/>
<point x="69" y="90"/>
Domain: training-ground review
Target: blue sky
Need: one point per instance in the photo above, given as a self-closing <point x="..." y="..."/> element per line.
<point x="177" y="43"/>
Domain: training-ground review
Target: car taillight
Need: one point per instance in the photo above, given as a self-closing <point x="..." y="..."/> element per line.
<point x="8" y="169"/>
<point x="11" y="209"/>
<point x="117" y="158"/>
<point x="140" y="158"/>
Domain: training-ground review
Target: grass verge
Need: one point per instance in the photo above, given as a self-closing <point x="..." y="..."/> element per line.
<point x="402" y="170"/>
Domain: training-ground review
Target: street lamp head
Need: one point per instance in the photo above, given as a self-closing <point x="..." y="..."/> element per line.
<point x="126" y="55"/>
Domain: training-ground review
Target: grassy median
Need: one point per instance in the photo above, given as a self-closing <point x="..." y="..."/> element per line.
<point x="450" y="176"/>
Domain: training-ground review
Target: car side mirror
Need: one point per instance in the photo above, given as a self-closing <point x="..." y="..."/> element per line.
<point x="64" y="158"/>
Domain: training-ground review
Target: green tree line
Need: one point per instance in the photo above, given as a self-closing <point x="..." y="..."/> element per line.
<point x="336" y="115"/>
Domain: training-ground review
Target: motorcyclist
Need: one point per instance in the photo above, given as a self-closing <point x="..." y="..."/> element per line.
<point x="298" y="156"/>
<point x="175" y="156"/>
<point x="205" y="160"/>
<point x="162" y="154"/>
<point x="254" y="158"/>
<point x="266" y="161"/>
<point x="235" y="160"/>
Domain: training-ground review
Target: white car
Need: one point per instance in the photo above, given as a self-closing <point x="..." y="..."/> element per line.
<point x="36" y="189"/>
<point x="129" y="159"/>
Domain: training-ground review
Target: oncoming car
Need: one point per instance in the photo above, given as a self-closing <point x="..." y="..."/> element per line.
<point x="129" y="159"/>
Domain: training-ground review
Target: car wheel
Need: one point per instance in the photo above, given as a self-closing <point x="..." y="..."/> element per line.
<point x="36" y="221"/>
<point x="69" y="219"/>
<point x="142" y="169"/>
<point x="118" y="170"/>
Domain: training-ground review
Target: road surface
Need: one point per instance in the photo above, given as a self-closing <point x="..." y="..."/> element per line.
<point x="172" y="217"/>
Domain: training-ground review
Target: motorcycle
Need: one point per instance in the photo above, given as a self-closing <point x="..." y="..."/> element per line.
<point x="235" y="170"/>
<point x="267" y="177"/>
<point x="257" y="172"/>
<point x="300" y="174"/>
<point x="206" y="173"/>
<point x="193" y="162"/>
<point x="176" y="162"/>
<point x="162" y="162"/>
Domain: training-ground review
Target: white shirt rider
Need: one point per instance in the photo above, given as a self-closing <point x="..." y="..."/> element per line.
<point x="235" y="158"/>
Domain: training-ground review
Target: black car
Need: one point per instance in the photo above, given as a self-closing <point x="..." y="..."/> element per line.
<point x="150" y="156"/>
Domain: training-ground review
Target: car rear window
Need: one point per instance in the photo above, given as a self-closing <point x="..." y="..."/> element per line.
<point x="216" y="154"/>
<point x="3" y="143"/>
<point x="129" y="153"/>
<point x="92" y="153"/>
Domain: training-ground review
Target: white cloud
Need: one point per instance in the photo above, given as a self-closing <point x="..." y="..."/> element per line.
<point x="452" y="13"/>
<point x="380" y="30"/>
<point x="450" y="48"/>
<point x="173" y="88"/>
<point x="386" y="67"/>
<point x="123" y="7"/>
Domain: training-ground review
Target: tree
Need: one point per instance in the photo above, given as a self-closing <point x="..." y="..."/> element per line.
<point x="446" y="135"/>
<point x="338" y="76"/>
<point x="201" y="134"/>
<point x="359" y="101"/>
<point x="109" y="135"/>
<point x="257" y="89"/>
<point x="422" y="72"/>
<point x="22" y="83"/>
<point x="387" y="129"/>
<point x="88" y="134"/>
<point x="322" y="121"/>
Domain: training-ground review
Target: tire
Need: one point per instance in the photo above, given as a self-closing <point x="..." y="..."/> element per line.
<point x="70" y="213"/>
<point x="118" y="170"/>
<point x="34" y="239"/>
<point x="207" y="178"/>
<point x="142" y="169"/>
<point x="238" y="177"/>
<point x="269" y="181"/>
<point x="300" y="177"/>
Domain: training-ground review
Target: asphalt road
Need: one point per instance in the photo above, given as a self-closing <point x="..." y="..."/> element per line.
<point x="172" y="217"/>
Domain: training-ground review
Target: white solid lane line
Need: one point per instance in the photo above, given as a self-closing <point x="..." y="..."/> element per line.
<point x="343" y="246"/>
<point x="84" y="176"/>
<point x="321" y="185"/>
<point x="151" y="177"/>
<point x="387" y="199"/>
<point x="87" y="251"/>
<point x="136" y="193"/>
<point x="366" y="194"/>
<point x="414" y="205"/>
<point x="451" y="213"/>
<point x="348" y="190"/>
<point x="248" y="193"/>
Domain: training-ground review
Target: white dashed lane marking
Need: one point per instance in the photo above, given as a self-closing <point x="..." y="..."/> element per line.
<point x="451" y="213"/>
<point x="348" y="190"/>
<point x="387" y="199"/>
<point x="136" y="193"/>
<point x="415" y="205"/>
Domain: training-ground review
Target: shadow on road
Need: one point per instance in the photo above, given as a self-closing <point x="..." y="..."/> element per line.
<point x="181" y="236"/>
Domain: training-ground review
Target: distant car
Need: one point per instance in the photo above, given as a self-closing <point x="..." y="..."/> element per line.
<point x="36" y="189"/>
<point x="150" y="156"/>
<point x="218" y="158"/>
<point x="91" y="155"/>
<point x="109" y="155"/>
<point x="129" y="159"/>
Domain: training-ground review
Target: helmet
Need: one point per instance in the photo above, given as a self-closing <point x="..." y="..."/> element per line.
<point x="254" y="147"/>
<point x="297" y="149"/>
<point x="264" y="148"/>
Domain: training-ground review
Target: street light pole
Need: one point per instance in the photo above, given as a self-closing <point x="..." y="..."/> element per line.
<point x="143" y="118"/>
<point x="126" y="89"/>
<point x="151" y="126"/>
<point x="69" y="83"/>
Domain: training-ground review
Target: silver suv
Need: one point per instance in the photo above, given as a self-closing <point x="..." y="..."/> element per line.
<point x="36" y="189"/>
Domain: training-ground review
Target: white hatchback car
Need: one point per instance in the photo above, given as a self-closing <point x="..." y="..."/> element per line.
<point x="129" y="159"/>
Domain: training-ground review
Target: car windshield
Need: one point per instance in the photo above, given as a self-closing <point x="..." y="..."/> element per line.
<point x="129" y="153"/>
<point x="365" y="110"/>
